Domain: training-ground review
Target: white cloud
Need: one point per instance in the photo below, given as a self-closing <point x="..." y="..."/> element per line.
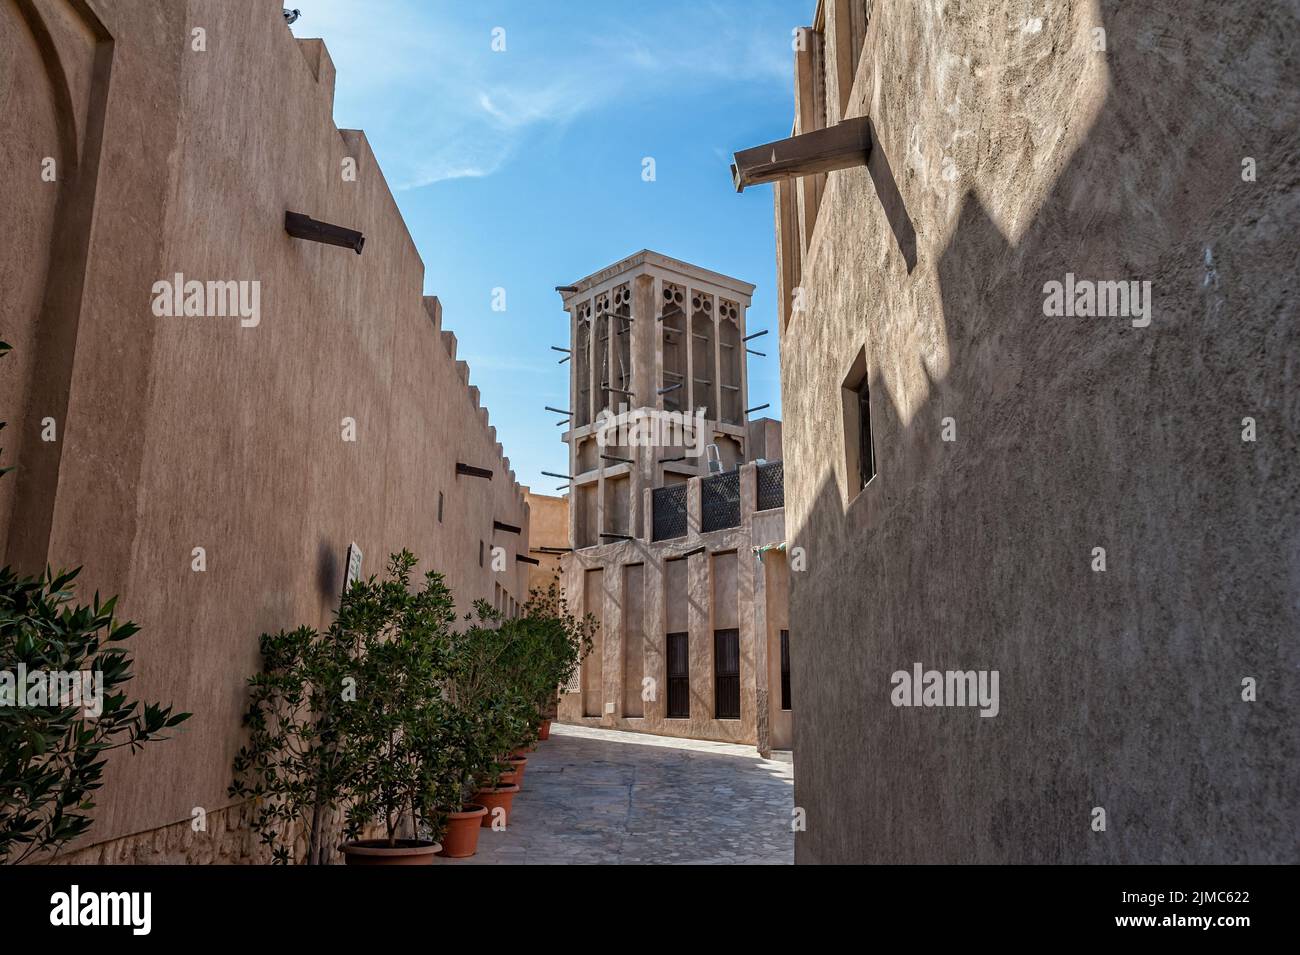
<point x="510" y="363"/>
<point x="517" y="107"/>
<point x="437" y="104"/>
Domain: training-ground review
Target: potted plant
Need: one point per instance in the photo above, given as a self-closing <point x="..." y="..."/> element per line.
<point x="498" y="784"/>
<point x="554" y="643"/>
<point x="391" y="733"/>
<point x="395" y="720"/>
<point x="518" y="665"/>
<point x="518" y="764"/>
<point x="291" y="766"/>
<point x="460" y="747"/>
<point x="295" y="768"/>
<point x="490" y="705"/>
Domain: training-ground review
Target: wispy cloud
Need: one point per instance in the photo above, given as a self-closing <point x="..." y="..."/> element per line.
<point x="721" y="53"/>
<point x="464" y="160"/>
<point x="509" y="363"/>
<point x="451" y="108"/>
<point x="516" y="107"/>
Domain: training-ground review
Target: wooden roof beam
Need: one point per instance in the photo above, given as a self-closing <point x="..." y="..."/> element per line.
<point x="841" y="146"/>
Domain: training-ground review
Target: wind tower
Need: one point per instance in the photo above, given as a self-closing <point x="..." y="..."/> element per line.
<point x="651" y="334"/>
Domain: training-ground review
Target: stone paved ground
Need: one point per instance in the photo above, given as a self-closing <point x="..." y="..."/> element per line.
<point x="603" y="796"/>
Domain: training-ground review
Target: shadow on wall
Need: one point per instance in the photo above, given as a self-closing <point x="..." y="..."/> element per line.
<point x="1121" y="689"/>
<point x="329" y="577"/>
<point x="891" y="201"/>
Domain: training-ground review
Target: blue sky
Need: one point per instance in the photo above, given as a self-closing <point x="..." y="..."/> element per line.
<point x="522" y="169"/>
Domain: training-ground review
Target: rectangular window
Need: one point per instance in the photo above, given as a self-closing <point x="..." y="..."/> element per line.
<point x="480" y="553"/>
<point x="866" y="446"/>
<point x="679" y="677"/>
<point x="439" y="507"/>
<point x="785" y="669"/>
<point x="726" y="674"/>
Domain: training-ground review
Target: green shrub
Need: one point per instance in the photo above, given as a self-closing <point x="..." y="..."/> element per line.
<point x="291" y="766"/>
<point x="505" y="677"/>
<point x="52" y="757"/>
<point x="558" y="642"/>
<point x="350" y="718"/>
<point x="392" y="735"/>
<point x="391" y="715"/>
<point x="490" y="713"/>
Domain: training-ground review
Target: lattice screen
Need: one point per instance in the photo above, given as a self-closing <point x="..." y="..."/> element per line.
<point x="575" y="682"/>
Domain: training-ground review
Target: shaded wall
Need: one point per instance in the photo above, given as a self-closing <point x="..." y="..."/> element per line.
<point x="777" y="607"/>
<point x="1007" y="153"/>
<point x="177" y="433"/>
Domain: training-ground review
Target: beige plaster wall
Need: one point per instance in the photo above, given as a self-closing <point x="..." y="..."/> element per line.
<point x="723" y="586"/>
<point x="548" y="526"/>
<point x="196" y="432"/>
<point x="777" y="606"/>
<point x="633" y="646"/>
<point x="1005" y="154"/>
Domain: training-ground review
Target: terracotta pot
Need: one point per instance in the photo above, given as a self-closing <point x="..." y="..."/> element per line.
<point x="460" y="841"/>
<point x="501" y="797"/>
<point x="509" y="778"/>
<point x="379" y="852"/>
<point x="518" y="764"/>
<point x="545" y="731"/>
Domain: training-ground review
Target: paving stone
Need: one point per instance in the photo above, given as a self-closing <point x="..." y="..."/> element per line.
<point x="608" y="797"/>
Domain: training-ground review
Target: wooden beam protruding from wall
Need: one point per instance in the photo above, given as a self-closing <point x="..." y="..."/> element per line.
<point x="841" y="146"/>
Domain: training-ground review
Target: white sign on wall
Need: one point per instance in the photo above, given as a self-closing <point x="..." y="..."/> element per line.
<point x="354" y="566"/>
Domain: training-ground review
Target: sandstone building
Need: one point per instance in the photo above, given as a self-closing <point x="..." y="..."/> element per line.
<point x="548" y="538"/>
<point x="341" y="415"/>
<point x="1101" y="505"/>
<point x="680" y="560"/>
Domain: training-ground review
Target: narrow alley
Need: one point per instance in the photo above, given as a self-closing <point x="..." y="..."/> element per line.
<point x="604" y="796"/>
